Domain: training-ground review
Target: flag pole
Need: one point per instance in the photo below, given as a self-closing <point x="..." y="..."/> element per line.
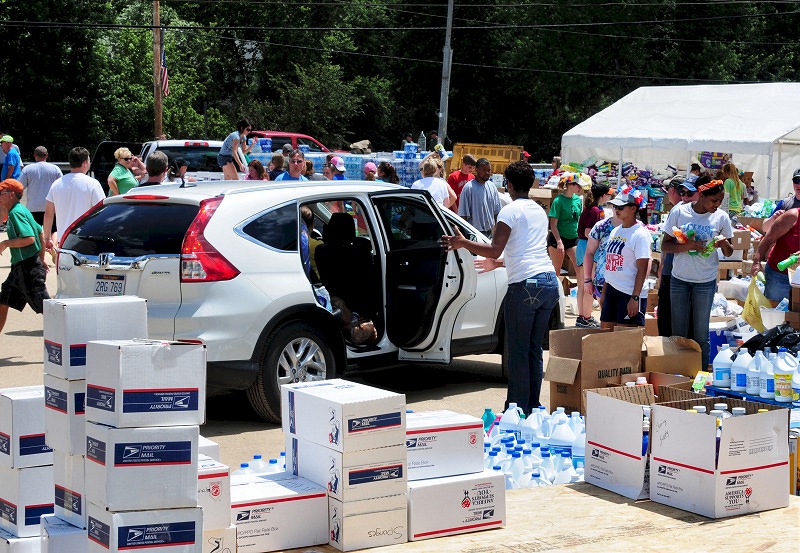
<point x="157" y="96"/>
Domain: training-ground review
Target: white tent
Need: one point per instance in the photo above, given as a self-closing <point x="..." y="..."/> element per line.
<point x="759" y="124"/>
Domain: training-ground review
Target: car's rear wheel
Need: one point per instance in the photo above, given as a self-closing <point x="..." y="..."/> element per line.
<point x="295" y="352"/>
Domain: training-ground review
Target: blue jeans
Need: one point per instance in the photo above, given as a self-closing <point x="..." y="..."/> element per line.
<point x="776" y="285"/>
<point x="528" y="305"/>
<point x="692" y="299"/>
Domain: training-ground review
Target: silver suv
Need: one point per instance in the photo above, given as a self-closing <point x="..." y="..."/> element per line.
<point x="222" y="262"/>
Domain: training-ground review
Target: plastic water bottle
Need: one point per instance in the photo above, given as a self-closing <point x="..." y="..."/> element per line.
<point x="719" y="439"/>
<point x="528" y="428"/>
<point x="256" y="146"/>
<point x="575" y="421"/>
<point x="258" y="465"/>
<point x="488" y="419"/>
<point x="796" y="389"/>
<point x="510" y="419"/>
<point x="700" y="409"/>
<point x="645" y="435"/>
<point x="422" y="142"/>
<point x="562" y="437"/>
<point x="558" y="415"/>
<point x="766" y="378"/>
<point x="783" y="371"/>
<point x="739" y="370"/>
<point x="548" y="467"/>
<point x="754" y="374"/>
<point x="244" y="468"/>
<point x="579" y="449"/>
<point x="545" y="428"/>
<point x="566" y="471"/>
<point x="738" y="411"/>
<point x="538" y="479"/>
<point x="723" y="409"/>
<point x="517" y="466"/>
<point x="722" y="367"/>
<point x="272" y="467"/>
<point x="788" y="262"/>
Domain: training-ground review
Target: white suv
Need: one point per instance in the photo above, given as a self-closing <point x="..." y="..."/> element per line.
<point x="220" y="262"/>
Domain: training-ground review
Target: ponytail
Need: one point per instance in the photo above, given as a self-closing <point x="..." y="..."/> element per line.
<point x="594" y="194"/>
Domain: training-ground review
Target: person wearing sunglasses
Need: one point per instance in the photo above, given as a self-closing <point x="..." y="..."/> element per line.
<point x="694" y="271"/>
<point x="792" y="202"/>
<point x="678" y="193"/>
<point x="231" y="157"/>
<point x="627" y="264"/>
<point x="122" y="177"/>
<point x="297" y="166"/>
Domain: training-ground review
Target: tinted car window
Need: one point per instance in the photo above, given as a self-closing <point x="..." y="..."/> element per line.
<point x="409" y="223"/>
<point x="277" y="228"/>
<point x="132" y="230"/>
<point x="313" y="146"/>
<point x="200" y="158"/>
<point x="279" y="141"/>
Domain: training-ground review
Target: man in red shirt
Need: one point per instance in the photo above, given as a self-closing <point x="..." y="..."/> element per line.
<point x="458" y="179"/>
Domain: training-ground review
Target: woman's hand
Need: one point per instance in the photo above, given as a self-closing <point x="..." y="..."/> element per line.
<point x="486" y="264"/>
<point x="633" y="308"/>
<point x="560" y="247"/>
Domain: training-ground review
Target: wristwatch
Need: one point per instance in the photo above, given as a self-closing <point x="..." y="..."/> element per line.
<point x="635" y="298"/>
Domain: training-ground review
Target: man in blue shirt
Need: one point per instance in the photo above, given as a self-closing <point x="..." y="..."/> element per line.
<point x="12" y="164"/>
<point x="297" y="164"/>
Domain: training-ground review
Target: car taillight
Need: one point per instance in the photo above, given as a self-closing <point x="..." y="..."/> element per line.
<point x="200" y="261"/>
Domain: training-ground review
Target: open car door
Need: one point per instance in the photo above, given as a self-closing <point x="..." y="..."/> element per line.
<point x="426" y="286"/>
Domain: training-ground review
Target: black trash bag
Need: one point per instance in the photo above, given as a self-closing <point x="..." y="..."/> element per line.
<point x="780" y="336"/>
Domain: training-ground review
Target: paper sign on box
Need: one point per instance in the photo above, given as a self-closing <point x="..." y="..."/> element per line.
<point x="159" y="463"/>
<point x="25" y="495"/>
<point x="164" y="530"/>
<point x="220" y="540"/>
<point x="22" y="441"/>
<point x="443" y="443"/>
<point x="368" y="523"/>
<point x="64" y="420"/>
<point x="70" y="323"/>
<point x="136" y="383"/>
<point x="70" y="496"/>
<point x="214" y="493"/>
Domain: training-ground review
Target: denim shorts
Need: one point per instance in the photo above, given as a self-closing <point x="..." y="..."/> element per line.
<point x="615" y="308"/>
<point x="223" y="160"/>
<point x="776" y="286"/>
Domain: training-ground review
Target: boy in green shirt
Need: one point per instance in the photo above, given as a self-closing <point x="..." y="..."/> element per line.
<point x="26" y="279"/>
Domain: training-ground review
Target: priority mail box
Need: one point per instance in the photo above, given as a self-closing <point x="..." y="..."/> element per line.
<point x="279" y="514"/>
<point x="141" y="468"/>
<point x="59" y="536"/>
<point x="750" y="474"/>
<point x="674" y="354"/>
<point x="208" y="447"/>
<point x="64" y="420"/>
<point x="582" y="359"/>
<point x="164" y="530"/>
<point x="368" y="523"/>
<point x="69" y="480"/>
<point x="456" y="505"/>
<point x="443" y="443"/>
<point x="615" y="459"/>
<point x="136" y="383"/>
<point x="350" y="476"/>
<point x="214" y="493"/>
<point x="22" y="441"/>
<point x="343" y="415"/>
<point x="25" y="495"/>
<point x="69" y="324"/>
<point x="9" y="543"/>
<point x="220" y="540"/>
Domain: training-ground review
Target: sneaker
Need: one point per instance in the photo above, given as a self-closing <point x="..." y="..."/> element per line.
<point x="586" y="322"/>
<point x="2" y="227"/>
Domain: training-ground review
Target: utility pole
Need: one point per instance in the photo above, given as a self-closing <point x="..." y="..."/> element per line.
<point x="446" y="63"/>
<point x="157" y="98"/>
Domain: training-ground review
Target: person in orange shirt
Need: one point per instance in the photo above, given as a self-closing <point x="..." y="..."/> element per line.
<point x="457" y="179"/>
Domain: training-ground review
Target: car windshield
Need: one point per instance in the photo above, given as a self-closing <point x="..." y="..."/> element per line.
<point x="200" y="158"/>
<point x="132" y="229"/>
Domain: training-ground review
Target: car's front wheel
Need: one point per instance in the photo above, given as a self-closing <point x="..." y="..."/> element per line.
<point x="295" y="352"/>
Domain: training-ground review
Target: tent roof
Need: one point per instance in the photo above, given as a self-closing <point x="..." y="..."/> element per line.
<point x="741" y="118"/>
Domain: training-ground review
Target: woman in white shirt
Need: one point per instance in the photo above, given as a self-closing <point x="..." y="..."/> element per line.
<point x="520" y="236"/>
<point x="438" y="188"/>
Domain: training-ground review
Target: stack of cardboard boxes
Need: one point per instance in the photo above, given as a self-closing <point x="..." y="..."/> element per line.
<point x="144" y="402"/>
<point x="214" y="497"/>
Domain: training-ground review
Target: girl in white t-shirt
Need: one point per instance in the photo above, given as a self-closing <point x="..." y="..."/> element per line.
<point x="627" y="264"/>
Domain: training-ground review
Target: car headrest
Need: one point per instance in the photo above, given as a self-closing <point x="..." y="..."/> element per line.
<point x="341" y="229"/>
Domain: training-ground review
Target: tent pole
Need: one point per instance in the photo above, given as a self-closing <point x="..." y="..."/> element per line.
<point x="769" y="175"/>
<point x="619" y="171"/>
<point x="689" y="164"/>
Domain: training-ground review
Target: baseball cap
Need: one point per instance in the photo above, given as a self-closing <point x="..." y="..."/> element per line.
<point x="11" y="184"/>
<point x="370" y="167"/>
<point x="796" y="174"/>
<point x="627" y="196"/>
<point x="287" y="148"/>
<point x="688" y="184"/>
<point x="6" y="138"/>
<point x="338" y="162"/>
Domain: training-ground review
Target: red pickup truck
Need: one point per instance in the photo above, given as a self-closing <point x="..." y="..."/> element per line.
<point x="279" y="138"/>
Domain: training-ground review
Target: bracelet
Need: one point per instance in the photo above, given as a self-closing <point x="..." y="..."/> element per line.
<point x="587" y="281"/>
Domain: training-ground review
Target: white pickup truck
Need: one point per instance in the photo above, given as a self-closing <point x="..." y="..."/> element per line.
<point x="200" y="154"/>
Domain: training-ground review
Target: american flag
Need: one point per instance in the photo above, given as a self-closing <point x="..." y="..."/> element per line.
<point x="164" y="71"/>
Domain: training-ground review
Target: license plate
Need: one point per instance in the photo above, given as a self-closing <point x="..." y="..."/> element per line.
<point x="109" y="285"/>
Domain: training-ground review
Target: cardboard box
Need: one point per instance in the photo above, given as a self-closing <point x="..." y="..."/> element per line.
<point x="671" y="355"/>
<point x="750" y="475"/>
<point x="582" y="359"/>
<point x="69" y="324"/>
<point x="794" y="466"/>
<point x="794" y="301"/>
<point x="343" y="415"/>
<point x="351" y="476"/>
<point x="370" y="523"/>
<point x="9" y="543"/>
<point x="25" y="495"/>
<point x="650" y="324"/>
<point x="443" y="443"/>
<point x="652" y="300"/>
<point x="456" y="505"/>
<point x="214" y="493"/>
<point x="160" y="463"/>
<point x="164" y="530"/>
<point x="22" y="442"/>
<point x="614" y="457"/>
<point x="219" y="541"/>
<point x="793" y="318"/>
<point x="137" y="383"/>
<point x="279" y="514"/>
<point x="64" y="420"/>
<point x="59" y="536"/>
<point x="70" y="483"/>
<point x="208" y="447"/>
<point x="659" y="381"/>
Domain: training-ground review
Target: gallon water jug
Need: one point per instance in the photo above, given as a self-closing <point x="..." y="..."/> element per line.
<point x="766" y="378"/>
<point x="739" y="370"/>
<point x="258" y="464"/>
<point x="575" y="421"/>
<point x="579" y="449"/>
<point x="547" y="468"/>
<point x="529" y="428"/>
<point x="566" y="472"/>
<point x="754" y="373"/>
<point x="722" y="367"/>
<point x="558" y="415"/>
<point x="488" y="419"/>
<point x="538" y="479"/>
<point x="517" y="466"/>
<point x="510" y="419"/>
<point x="784" y="370"/>
<point x="796" y="389"/>
<point x="562" y="437"/>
